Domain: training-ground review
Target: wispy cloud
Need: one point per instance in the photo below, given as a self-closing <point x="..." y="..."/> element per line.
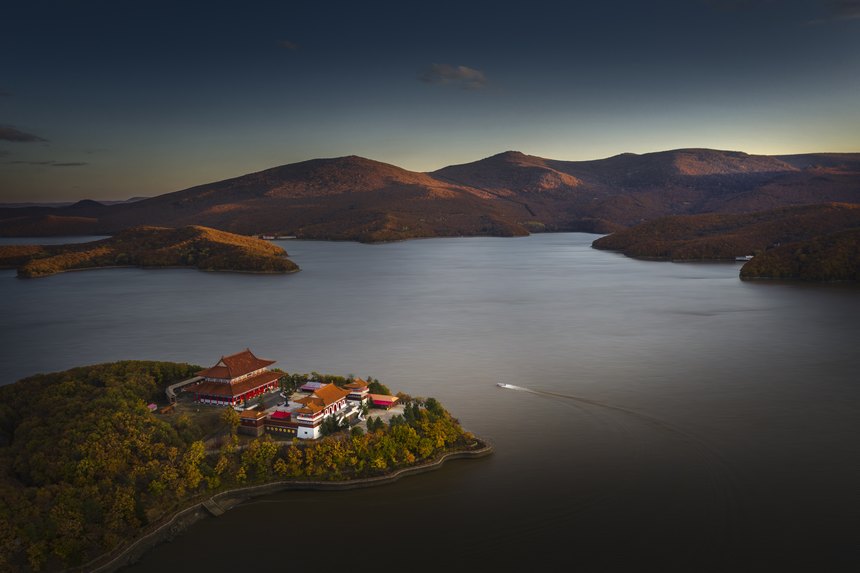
<point x="829" y="10"/>
<point x="50" y="163"/>
<point x="841" y="10"/>
<point x="462" y="76"/>
<point x="734" y="5"/>
<point x="288" y="45"/>
<point x="9" y="133"/>
<point x="4" y="93"/>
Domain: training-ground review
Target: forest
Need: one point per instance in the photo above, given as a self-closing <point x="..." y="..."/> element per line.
<point x="724" y="236"/>
<point x="829" y="258"/>
<point x="85" y="466"/>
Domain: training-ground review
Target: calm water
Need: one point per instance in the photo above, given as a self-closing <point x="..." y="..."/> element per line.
<point x="691" y="422"/>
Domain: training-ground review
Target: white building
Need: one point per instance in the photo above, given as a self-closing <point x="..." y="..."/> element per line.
<point x="326" y="401"/>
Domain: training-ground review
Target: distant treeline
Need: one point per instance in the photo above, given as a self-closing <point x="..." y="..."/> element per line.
<point x="292" y="382"/>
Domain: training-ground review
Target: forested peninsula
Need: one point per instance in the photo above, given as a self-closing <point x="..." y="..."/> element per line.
<point x="152" y="247"/>
<point x="829" y="258"/>
<point x="88" y="464"/>
<point x="808" y="242"/>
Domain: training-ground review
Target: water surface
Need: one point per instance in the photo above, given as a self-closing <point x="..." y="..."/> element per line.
<point x="676" y="418"/>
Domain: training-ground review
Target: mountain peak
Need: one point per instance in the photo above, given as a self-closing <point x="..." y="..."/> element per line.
<point x="509" y="155"/>
<point x="87" y="203"/>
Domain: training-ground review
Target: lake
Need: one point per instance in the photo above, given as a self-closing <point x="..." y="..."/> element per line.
<point x="673" y="418"/>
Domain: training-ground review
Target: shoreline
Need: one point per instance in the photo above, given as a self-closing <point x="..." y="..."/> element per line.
<point x="166" y="267"/>
<point x="181" y="519"/>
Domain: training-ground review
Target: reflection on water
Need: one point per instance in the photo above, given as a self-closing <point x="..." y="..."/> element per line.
<point x="675" y="417"/>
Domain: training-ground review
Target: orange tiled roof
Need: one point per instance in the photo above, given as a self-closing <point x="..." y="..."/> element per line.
<point x="237" y="389"/>
<point x="356" y="384"/>
<point x="252" y="415"/>
<point x="310" y="408"/>
<point x="320" y="398"/>
<point x="235" y="365"/>
<point x="382" y="398"/>
<point x="330" y="394"/>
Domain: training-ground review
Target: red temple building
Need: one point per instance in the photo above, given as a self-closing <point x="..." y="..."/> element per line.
<point x="382" y="400"/>
<point x="234" y="379"/>
<point x="281" y="422"/>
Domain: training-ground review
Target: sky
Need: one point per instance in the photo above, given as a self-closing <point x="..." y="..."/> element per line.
<point x="111" y="100"/>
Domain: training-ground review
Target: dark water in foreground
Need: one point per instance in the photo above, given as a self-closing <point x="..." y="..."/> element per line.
<point x="679" y="419"/>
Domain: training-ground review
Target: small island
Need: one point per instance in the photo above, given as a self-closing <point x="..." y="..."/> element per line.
<point x="101" y="462"/>
<point x="152" y="247"/>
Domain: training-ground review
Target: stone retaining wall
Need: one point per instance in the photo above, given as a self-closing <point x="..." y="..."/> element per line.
<point x="231" y="498"/>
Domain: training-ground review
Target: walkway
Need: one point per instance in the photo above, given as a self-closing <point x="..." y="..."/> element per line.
<point x="171" y="390"/>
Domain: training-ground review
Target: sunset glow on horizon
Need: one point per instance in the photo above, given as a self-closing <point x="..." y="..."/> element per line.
<point x="110" y="101"/>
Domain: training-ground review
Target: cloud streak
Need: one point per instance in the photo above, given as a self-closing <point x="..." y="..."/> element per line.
<point x="845" y="9"/>
<point x="9" y="133"/>
<point x="736" y="5"/>
<point x="839" y="10"/>
<point x="462" y="76"/>
<point x="288" y="45"/>
<point x="50" y="163"/>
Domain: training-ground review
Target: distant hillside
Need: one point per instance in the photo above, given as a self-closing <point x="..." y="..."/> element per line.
<point x="728" y="235"/>
<point x="509" y="194"/>
<point x="344" y="198"/>
<point x="832" y="257"/>
<point x="199" y="247"/>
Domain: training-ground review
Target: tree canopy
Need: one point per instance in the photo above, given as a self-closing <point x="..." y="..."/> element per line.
<point x="84" y="464"/>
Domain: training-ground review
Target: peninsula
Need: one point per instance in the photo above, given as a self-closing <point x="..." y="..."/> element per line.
<point x="831" y="257"/>
<point x="809" y="242"/>
<point x="152" y="247"/>
<point x="97" y="461"/>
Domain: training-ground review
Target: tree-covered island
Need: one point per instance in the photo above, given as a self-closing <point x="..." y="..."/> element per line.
<point x="152" y="247"/>
<point x="95" y="457"/>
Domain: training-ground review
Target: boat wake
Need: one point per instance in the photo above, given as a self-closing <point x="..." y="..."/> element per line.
<point x="723" y="483"/>
<point x="511" y="387"/>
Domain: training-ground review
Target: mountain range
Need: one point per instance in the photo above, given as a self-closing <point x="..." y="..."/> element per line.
<point x="509" y="194"/>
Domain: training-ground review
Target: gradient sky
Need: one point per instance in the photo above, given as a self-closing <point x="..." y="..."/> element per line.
<point x="109" y="100"/>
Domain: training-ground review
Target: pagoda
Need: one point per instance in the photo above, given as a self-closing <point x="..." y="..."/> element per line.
<point x="358" y="391"/>
<point x="234" y="379"/>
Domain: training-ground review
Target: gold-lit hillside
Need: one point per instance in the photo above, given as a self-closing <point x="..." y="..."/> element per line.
<point x="198" y="247"/>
